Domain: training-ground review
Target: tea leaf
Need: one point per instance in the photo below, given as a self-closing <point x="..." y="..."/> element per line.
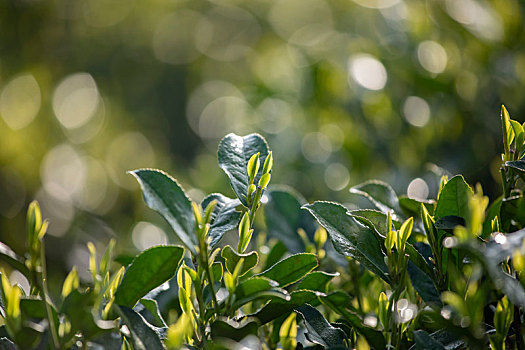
<point x="223" y="218"/>
<point x="291" y="269"/>
<point x="228" y="328"/>
<point x="279" y="307"/>
<point x="380" y="194"/>
<point x="453" y="199"/>
<point x="340" y="302"/>
<point x="232" y="258"/>
<point x="144" y="335"/>
<point x="425" y="341"/>
<point x="516" y="164"/>
<point x="256" y="288"/>
<point x="423" y="284"/>
<point x="234" y="154"/>
<point x="350" y="237"/>
<point x="148" y="270"/>
<point x="316" y="281"/>
<point x="319" y="330"/>
<point x="283" y="217"/>
<point x="16" y="261"/>
<point x="153" y="308"/>
<point x="163" y="194"/>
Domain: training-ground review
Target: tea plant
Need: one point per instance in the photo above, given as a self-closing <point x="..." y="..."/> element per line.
<point x="444" y="273"/>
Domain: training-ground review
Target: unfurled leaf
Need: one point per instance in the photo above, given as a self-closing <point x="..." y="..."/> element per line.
<point x="453" y="199"/>
<point x="283" y="216"/>
<point x="319" y="331"/>
<point x="234" y="154"/>
<point x="163" y="194"/>
<point x="148" y="270"/>
<point x="350" y="237"/>
<point x="153" y="309"/>
<point x="232" y="258"/>
<point x="279" y="307"/>
<point x="291" y="269"/>
<point x="224" y="217"/>
<point x="256" y="288"/>
<point x="316" y="281"/>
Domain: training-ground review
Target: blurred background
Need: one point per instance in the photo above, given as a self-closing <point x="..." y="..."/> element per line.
<point x="344" y="91"/>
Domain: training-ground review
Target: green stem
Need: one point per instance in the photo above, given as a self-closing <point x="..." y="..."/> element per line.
<point x="46" y="298"/>
<point x="212" y="285"/>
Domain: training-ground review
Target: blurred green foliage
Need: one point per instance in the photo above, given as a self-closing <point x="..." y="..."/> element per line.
<point x="344" y="91"/>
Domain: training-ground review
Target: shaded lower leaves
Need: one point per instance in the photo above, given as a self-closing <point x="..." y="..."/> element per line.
<point x="144" y="336"/>
<point x="319" y="331"/>
<point x="283" y="216"/>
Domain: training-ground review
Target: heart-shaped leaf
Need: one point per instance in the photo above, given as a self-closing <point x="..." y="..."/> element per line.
<point x="163" y="194"/>
<point x="234" y="153"/>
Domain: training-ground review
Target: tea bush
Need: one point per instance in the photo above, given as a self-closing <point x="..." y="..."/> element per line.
<point x="447" y="273"/>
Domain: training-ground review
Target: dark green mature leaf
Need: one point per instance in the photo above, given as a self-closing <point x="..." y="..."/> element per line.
<point x="6" y="344"/>
<point x="423" y="284"/>
<point x="449" y="222"/>
<point x="32" y="307"/>
<point x="412" y="207"/>
<point x="284" y="217"/>
<point x="163" y="194"/>
<point x="16" y="261"/>
<point x="350" y="237"/>
<point x="231" y="258"/>
<point x="380" y="194"/>
<point x="227" y="328"/>
<point x="256" y="288"/>
<point x="516" y="164"/>
<point x="512" y="213"/>
<point x="234" y="153"/>
<point x="277" y="251"/>
<point x="278" y="307"/>
<point x="224" y="217"/>
<point x="423" y="340"/>
<point x="316" y="280"/>
<point x="291" y="269"/>
<point x="340" y="302"/>
<point x="153" y="309"/>
<point x="453" y="198"/>
<point x="148" y="270"/>
<point x="144" y="336"/>
<point x="376" y="218"/>
<point x="78" y="308"/>
<point x="319" y="330"/>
